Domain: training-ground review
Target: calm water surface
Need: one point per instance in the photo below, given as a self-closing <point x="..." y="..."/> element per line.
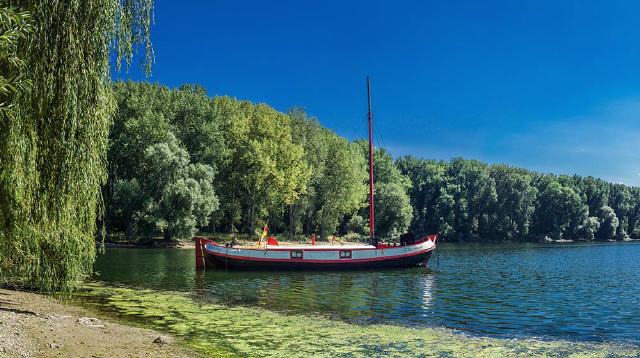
<point x="570" y="291"/>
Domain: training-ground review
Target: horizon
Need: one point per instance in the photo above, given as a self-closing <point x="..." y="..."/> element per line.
<point x="547" y="87"/>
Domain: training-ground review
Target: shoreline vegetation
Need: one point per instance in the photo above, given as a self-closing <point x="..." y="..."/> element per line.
<point x="211" y="329"/>
<point x="119" y="241"/>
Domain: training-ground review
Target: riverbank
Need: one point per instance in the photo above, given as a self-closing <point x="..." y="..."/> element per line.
<point x="32" y="325"/>
<point x="120" y="241"/>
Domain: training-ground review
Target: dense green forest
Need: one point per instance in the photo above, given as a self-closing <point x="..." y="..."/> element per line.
<point x="180" y="161"/>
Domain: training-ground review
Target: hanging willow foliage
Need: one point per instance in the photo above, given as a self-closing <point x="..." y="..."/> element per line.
<point x="53" y="142"/>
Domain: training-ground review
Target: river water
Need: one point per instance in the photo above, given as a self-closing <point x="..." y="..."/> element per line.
<point x="579" y="292"/>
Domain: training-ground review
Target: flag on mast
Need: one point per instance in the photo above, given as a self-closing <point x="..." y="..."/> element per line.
<point x="265" y="230"/>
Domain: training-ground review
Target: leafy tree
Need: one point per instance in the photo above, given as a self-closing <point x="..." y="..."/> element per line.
<point x="15" y="28"/>
<point x="163" y="163"/>
<point x="265" y="169"/>
<point x="341" y="189"/>
<point x="589" y="229"/>
<point x="634" y="214"/>
<point x="206" y="201"/>
<point x="460" y="200"/>
<point x="147" y="114"/>
<point x="194" y="120"/>
<point x="595" y="193"/>
<point x="392" y="205"/>
<point x="308" y="133"/>
<point x="560" y="211"/>
<point x="515" y="204"/>
<point x="427" y="194"/>
<point x="620" y="203"/>
<point x="609" y="224"/>
<point x="127" y="145"/>
<point x="445" y="205"/>
<point x="475" y="197"/>
<point x="356" y="224"/>
<point x="175" y="197"/>
<point x="393" y="213"/>
<point x="337" y="176"/>
<point x="127" y="199"/>
<point x="53" y="163"/>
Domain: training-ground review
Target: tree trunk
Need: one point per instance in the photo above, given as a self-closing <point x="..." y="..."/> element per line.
<point x="291" y="223"/>
<point x="252" y="218"/>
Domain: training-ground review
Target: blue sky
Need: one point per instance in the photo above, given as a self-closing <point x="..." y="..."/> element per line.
<point x="552" y="86"/>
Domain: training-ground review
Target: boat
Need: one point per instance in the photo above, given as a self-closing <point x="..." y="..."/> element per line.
<point x="269" y="254"/>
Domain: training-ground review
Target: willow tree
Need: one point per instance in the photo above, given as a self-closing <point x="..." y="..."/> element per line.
<point x="54" y="144"/>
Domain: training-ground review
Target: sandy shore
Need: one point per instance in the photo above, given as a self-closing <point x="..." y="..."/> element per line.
<point x="32" y="325"/>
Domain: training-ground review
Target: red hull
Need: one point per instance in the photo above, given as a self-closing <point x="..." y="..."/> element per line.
<point x="305" y="257"/>
<point x="231" y="263"/>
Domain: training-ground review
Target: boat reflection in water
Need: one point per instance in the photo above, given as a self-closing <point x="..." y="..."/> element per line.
<point x="360" y="296"/>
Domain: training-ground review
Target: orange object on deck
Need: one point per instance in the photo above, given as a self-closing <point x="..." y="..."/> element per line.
<point x="313" y="239"/>
<point x="272" y="241"/>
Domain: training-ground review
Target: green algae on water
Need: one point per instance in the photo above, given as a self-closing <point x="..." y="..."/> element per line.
<point x="221" y="331"/>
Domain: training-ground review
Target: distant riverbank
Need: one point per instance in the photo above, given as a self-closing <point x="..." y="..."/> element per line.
<point x="158" y="242"/>
<point x="149" y="244"/>
<point x="120" y="241"/>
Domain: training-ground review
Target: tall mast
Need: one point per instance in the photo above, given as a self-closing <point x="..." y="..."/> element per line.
<point x="371" y="204"/>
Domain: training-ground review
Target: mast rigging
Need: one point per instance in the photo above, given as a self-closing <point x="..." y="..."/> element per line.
<point x="371" y="203"/>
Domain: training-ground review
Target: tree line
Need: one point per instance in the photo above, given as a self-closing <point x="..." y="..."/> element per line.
<point x="180" y="161"/>
<point x="470" y="200"/>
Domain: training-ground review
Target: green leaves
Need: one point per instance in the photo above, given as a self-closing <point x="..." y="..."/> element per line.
<point x="393" y="211"/>
<point x="469" y="200"/>
<point x="608" y="225"/>
<point x="516" y="199"/>
<point x="560" y="211"/>
<point x="56" y="105"/>
<point x="430" y="194"/>
<point x="336" y="174"/>
<point x="265" y="170"/>
<point x="170" y="197"/>
<point x="15" y="27"/>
